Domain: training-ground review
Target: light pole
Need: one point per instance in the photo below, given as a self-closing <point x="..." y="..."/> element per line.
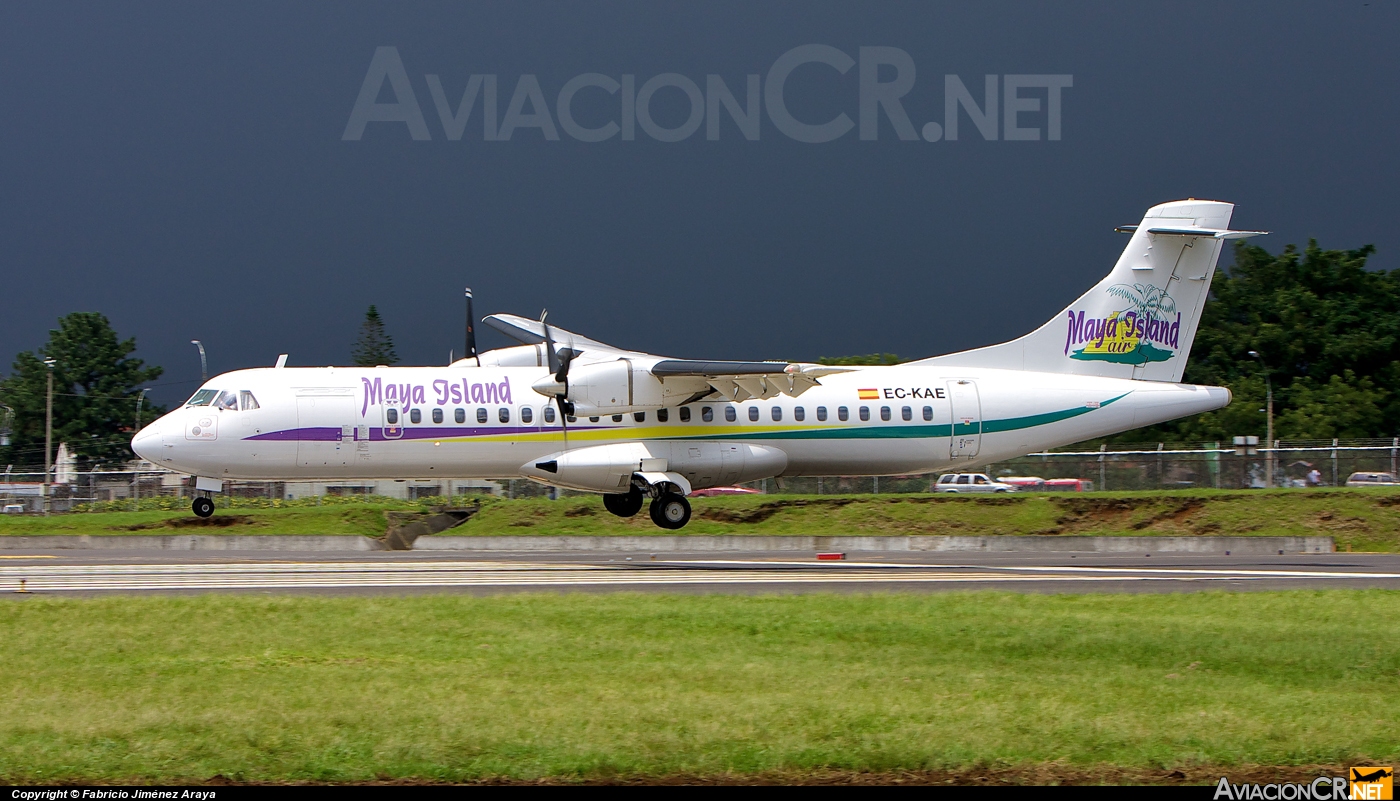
<point x="203" y="363"/>
<point x="48" y="438"/>
<point x="1269" y="426"/>
<point x="136" y="473"/>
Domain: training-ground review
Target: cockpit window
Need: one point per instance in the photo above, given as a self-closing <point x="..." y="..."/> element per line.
<point x="228" y="399"/>
<point x="247" y="401"/>
<point x="204" y="397"/>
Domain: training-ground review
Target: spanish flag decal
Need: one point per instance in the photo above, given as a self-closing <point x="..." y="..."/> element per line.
<point x="869" y="394"/>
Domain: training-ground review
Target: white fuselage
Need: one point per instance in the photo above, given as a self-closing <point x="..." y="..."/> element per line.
<point x="416" y="422"/>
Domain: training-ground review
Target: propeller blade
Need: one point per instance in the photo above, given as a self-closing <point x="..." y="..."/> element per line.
<point x="564" y="408"/>
<point x="552" y="357"/>
<point x="562" y="374"/>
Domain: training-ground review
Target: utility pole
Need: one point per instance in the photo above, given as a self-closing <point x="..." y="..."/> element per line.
<point x="48" y="440"/>
<point x="203" y="363"/>
<point x="1269" y="425"/>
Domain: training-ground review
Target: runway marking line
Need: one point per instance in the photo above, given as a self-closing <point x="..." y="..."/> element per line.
<point x="337" y="575"/>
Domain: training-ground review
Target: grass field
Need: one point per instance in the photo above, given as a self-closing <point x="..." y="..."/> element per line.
<point x="1359" y="519"/>
<point x="169" y="689"/>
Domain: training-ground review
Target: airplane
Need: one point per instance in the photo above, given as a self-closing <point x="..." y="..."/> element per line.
<point x="568" y="411"/>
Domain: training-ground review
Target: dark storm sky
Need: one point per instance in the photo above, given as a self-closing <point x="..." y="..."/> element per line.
<point x="180" y="168"/>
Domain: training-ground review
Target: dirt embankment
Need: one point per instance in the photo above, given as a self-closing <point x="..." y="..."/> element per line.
<point x="1025" y="775"/>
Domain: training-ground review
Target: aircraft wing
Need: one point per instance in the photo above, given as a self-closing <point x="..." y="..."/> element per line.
<point x="531" y="332"/>
<point x="738" y="381"/>
<point x="733" y="380"/>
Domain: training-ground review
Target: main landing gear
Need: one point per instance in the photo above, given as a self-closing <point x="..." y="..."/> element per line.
<point x="203" y="507"/>
<point x="624" y="504"/>
<point x="669" y="510"/>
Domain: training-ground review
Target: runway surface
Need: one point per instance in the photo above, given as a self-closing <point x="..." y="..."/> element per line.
<point x="41" y="573"/>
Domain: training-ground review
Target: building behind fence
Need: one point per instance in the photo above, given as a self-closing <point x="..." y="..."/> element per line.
<point x="1139" y="467"/>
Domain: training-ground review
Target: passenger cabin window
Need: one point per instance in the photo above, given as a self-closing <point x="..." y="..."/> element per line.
<point x="549" y="414"/>
<point x="821" y="413"/>
<point x="617" y="418"/>
<point x="503" y="414"/>
<point x="392" y="415"/>
<point x="928" y="413"/>
<point x="707" y="414"/>
<point x="526" y="414"/>
<point x="777" y="414"/>
<point x="885" y="413"/>
<point x="460" y="415"/>
<point x="481" y="415"/>
<point x="842" y="413"/>
<point x="864" y="413"/>
<point x="685" y="414"/>
<point x="662" y="415"/>
<point x="415" y="415"/>
<point x="204" y="397"/>
<point x="640" y="417"/>
<point x="437" y="415"/>
<point x="592" y="419"/>
<point x="753" y="414"/>
<point x="228" y="400"/>
<point x="799" y="414"/>
<point x="906" y="414"/>
<point x="730" y="414"/>
<point x="247" y="401"/>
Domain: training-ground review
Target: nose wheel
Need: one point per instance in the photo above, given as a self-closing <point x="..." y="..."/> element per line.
<point x="203" y="507"/>
<point x="670" y="511"/>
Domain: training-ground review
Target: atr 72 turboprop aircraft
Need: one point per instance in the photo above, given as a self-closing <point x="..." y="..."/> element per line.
<point x="567" y="411"/>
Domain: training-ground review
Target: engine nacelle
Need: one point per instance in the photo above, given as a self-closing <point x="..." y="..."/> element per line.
<point x="610" y="468"/>
<point x="621" y="386"/>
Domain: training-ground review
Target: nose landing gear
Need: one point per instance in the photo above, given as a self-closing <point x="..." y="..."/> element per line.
<point x="203" y="507"/>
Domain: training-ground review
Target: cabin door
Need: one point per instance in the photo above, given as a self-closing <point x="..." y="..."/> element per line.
<point x="966" y="407"/>
<point x="325" y="433"/>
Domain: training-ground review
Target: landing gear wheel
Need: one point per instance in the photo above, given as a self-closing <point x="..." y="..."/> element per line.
<point x="202" y="507"/>
<point x="670" y="511"/>
<point x="623" y="504"/>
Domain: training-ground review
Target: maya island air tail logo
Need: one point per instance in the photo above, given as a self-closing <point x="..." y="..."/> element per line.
<point x="1144" y="332"/>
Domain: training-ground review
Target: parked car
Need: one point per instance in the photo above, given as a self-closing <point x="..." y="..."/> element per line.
<point x="1371" y="480"/>
<point x="705" y="493"/>
<point x="1069" y="485"/>
<point x="970" y="482"/>
<point x="1024" y="483"/>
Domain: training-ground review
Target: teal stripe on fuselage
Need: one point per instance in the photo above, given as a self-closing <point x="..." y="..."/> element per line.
<point x="914" y="432"/>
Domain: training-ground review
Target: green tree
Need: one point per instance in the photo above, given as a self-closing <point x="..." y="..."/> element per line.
<point x="868" y="359"/>
<point x="1327" y="331"/>
<point x="375" y="346"/>
<point x="95" y="383"/>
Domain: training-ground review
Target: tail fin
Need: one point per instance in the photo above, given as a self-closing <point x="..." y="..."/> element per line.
<point x="1138" y="322"/>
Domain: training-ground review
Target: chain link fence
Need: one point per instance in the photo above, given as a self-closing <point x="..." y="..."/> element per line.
<point x="1146" y="466"/>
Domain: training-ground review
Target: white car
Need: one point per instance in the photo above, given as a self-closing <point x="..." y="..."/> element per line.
<point x="1371" y="480"/>
<point x="970" y="482"/>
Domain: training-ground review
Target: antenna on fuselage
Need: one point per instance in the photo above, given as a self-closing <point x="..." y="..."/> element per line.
<point x="471" y="331"/>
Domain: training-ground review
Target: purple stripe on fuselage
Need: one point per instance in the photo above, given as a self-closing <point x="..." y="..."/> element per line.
<point x="326" y="434"/>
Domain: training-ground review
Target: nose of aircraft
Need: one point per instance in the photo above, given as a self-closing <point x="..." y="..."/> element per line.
<point x="147" y="442"/>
